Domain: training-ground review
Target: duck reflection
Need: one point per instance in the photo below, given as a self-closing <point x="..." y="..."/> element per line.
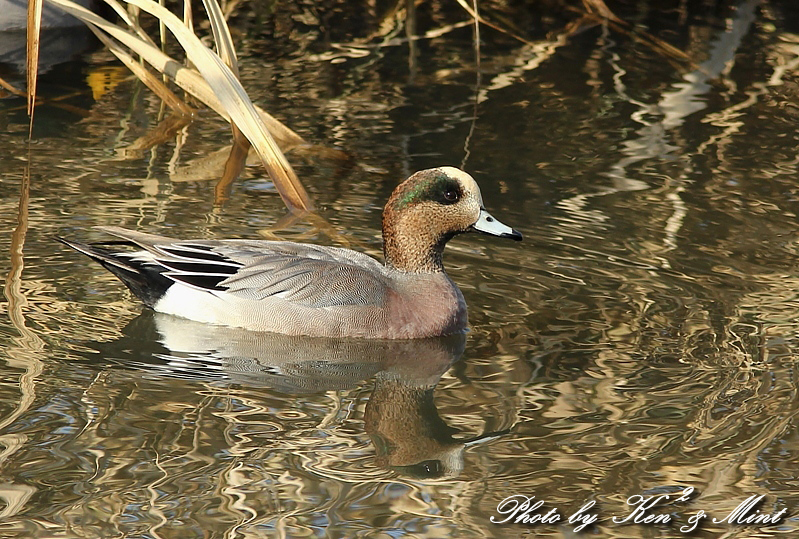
<point x="401" y="417"/>
<point x="409" y="435"/>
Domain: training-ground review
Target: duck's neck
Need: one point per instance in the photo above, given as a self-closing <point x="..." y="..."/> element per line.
<point x="412" y="249"/>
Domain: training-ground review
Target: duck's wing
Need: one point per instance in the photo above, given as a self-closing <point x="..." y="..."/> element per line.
<point x="308" y="275"/>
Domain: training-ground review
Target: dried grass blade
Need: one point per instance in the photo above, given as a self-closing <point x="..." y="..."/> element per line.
<point x="241" y="146"/>
<point x="188" y="19"/>
<point x="237" y="104"/>
<point x="221" y="89"/>
<point x="162" y="29"/>
<point x="124" y="15"/>
<point x="188" y="79"/>
<point x="222" y="37"/>
<point x="34" y="26"/>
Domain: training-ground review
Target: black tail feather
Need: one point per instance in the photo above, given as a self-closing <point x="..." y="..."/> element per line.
<point x="145" y="281"/>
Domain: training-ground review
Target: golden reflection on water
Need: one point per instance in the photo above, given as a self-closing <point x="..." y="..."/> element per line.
<point x="176" y="427"/>
<point x="641" y="340"/>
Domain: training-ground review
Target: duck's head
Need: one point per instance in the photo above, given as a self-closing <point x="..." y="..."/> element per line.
<point x="427" y="210"/>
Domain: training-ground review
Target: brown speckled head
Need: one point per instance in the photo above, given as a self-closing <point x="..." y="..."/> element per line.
<point x="423" y="213"/>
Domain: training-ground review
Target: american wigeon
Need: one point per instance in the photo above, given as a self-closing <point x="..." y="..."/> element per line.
<point x="302" y="289"/>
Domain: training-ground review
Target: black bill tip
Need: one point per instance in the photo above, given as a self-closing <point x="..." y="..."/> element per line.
<point x="513" y="234"/>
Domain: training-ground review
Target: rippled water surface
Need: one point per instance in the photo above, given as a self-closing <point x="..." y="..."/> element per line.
<point x="640" y="341"/>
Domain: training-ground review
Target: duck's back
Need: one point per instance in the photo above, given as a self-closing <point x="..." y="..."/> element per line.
<point x="300" y="289"/>
<point x="284" y="287"/>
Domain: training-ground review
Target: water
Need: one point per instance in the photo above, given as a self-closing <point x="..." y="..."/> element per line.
<point x="641" y="340"/>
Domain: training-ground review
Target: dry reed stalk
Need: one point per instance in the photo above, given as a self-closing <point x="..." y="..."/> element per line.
<point x="212" y="79"/>
<point x="34" y="25"/>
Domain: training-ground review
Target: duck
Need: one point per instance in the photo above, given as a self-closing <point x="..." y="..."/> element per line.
<point x="313" y="290"/>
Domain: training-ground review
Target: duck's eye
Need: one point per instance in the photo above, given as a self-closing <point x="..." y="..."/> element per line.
<point x="451" y="195"/>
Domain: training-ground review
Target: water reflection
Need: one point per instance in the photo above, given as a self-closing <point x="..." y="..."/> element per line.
<point x="410" y="436"/>
<point x="646" y="338"/>
<point x="400" y="415"/>
<point x="164" y="345"/>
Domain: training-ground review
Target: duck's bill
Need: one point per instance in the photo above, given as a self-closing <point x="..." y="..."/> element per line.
<point x="488" y="225"/>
